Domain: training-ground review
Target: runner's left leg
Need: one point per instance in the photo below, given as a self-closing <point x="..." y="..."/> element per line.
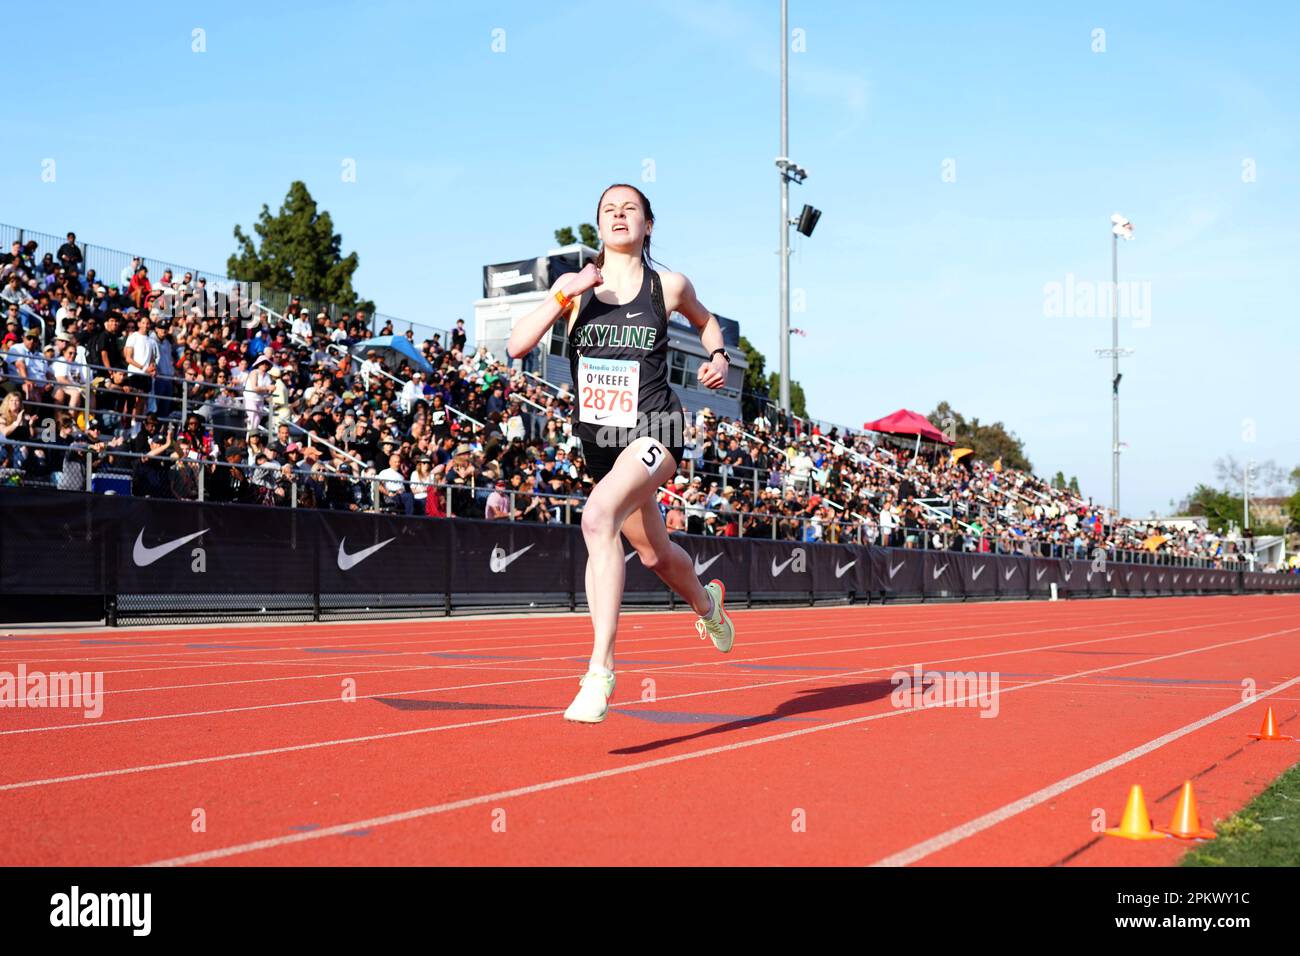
<point x="645" y="531"/>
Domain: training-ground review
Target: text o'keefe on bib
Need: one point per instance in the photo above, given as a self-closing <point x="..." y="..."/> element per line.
<point x="608" y="391"/>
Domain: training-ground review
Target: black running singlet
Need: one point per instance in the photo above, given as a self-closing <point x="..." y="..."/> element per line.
<point x="618" y="356"/>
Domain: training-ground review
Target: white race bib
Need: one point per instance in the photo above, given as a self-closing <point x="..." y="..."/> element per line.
<point x="608" y="390"/>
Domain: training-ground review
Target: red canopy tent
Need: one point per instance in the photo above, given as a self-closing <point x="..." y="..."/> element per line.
<point x="903" y="422"/>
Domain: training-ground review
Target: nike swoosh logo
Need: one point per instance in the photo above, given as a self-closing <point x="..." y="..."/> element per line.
<point x="839" y="571"/>
<point x="1089" y="575"/>
<point x="1007" y="576"/>
<point x="1175" y="579"/>
<point x="1038" y="575"/>
<point x="975" y="575"/>
<point x="599" y="418"/>
<point x="500" y="560"/>
<point x="144" y="556"/>
<point x="939" y="571"/>
<point x="349" y="561"/>
<point x="633" y="315"/>
<point x="894" y="570"/>
<point x="778" y="568"/>
<point x="701" y="568"/>
<point x="628" y="557"/>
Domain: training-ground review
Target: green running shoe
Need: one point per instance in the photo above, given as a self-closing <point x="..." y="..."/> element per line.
<point x="718" y="627"/>
<point x="592" y="702"/>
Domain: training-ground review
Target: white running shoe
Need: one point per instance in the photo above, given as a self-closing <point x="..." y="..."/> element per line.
<point x="592" y="702"/>
<point x="718" y="627"/>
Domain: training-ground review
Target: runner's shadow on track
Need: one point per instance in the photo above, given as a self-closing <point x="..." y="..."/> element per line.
<point x="810" y="701"/>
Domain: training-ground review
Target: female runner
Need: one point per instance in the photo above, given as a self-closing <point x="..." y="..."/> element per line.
<point x="629" y="421"/>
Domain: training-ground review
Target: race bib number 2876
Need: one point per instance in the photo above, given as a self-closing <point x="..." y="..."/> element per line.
<point x="608" y="391"/>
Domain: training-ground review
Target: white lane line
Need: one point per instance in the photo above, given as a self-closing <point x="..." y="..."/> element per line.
<point x="948" y="838"/>
<point x="480" y="665"/>
<point x="405" y="815"/>
<point x="628" y="639"/>
<point x="671" y="669"/>
<point x="122" y="771"/>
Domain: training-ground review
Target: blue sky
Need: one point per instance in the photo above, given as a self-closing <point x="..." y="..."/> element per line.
<point x="917" y="289"/>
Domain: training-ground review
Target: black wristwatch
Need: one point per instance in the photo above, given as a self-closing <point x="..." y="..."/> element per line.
<point x="724" y="355"/>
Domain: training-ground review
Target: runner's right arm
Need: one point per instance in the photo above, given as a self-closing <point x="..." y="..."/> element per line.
<point x="525" y="336"/>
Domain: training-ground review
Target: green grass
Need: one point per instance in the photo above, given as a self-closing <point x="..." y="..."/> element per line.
<point x="1265" y="832"/>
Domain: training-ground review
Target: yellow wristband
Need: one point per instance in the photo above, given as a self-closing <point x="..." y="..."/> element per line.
<point x="565" y="302"/>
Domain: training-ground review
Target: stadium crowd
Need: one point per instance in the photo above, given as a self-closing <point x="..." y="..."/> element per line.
<point x="194" y="394"/>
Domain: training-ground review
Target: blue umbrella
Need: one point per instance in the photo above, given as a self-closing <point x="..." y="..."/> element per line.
<point x="393" y="349"/>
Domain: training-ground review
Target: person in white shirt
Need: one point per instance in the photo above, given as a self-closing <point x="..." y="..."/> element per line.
<point x="392" y="486"/>
<point x="141" y="353"/>
<point x="128" y="273"/>
<point x="369" y="368"/>
<point x="256" y="387"/>
<point x="301" y="326"/>
<point x="887" y="523"/>
<point x="68" y="312"/>
<point x="515" y="424"/>
<point x="801" y="467"/>
<point x="69" y="375"/>
<point x="412" y="392"/>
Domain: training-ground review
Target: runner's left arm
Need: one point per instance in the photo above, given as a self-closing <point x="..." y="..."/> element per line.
<point x="678" y="289"/>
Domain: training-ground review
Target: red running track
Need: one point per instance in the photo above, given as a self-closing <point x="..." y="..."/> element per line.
<point x="236" y="745"/>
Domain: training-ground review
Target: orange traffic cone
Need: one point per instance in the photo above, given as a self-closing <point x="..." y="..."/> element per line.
<point x="1186" y="824"/>
<point x="1136" y="824"/>
<point x="1269" y="729"/>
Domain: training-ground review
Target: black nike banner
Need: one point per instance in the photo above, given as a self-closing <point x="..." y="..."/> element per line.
<point x="898" y="572"/>
<point x="175" y="547"/>
<point x="156" y="551"/>
<point x="1041" y="574"/>
<point x="779" y="567"/>
<point x="840" y="569"/>
<point x="512" y="558"/>
<point x="940" y="576"/>
<point x="1013" y="576"/>
<point x="54" y="543"/>
<point x="979" y="574"/>
<point x="378" y="554"/>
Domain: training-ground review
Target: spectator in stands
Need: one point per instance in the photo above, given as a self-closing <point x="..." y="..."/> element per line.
<point x="393" y="495"/>
<point x="458" y="336"/>
<point x="498" y="503"/>
<point x="140" y="289"/>
<point x="22" y="360"/>
<point x="149" y="474"/>
<point x="257" y="387"/>
<point x="142" y="354"/>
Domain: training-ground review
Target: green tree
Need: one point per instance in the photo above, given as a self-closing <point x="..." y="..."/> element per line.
<point x="1223" y="509"/>
<point x="1074" y="486"/>
<point x="587" y="235"/>
<point x="1058" y="480"/>
<point x="754" y="392"/>
<point x="990" y="442"/>
<point x="797" y="403"/>
<point x="299" y="253"/>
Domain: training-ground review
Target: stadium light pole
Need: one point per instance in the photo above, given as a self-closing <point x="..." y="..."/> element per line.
<point x="1120" y="228"/>
<point x="785" y="210"/>
<point x="807" y="221"/>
